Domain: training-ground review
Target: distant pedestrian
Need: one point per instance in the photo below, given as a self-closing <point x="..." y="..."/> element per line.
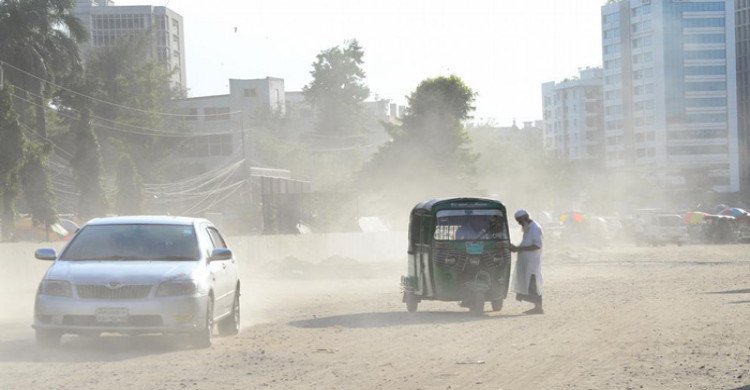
<point x="527" y="280"/>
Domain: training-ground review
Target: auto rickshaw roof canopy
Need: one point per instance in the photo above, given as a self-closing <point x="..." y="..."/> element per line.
<point x="434" y="205"/>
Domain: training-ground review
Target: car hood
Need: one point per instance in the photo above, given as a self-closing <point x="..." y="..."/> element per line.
<point x="126" y="272"/>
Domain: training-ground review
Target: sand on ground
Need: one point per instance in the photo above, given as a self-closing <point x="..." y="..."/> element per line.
<point x="617" y="318"/>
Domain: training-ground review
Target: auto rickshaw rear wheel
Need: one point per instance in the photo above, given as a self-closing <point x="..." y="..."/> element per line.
<point x="477" y="304"/>
<point x="497" y="305"/>
<point x="411" y="301"/>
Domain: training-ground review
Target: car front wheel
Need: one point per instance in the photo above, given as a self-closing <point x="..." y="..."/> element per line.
<point x="202" y="338"/>
<point x="230" y="326"/>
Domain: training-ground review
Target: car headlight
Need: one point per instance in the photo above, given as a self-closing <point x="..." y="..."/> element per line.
<point x="56" y="288"/>
<point x="174" y="288"/>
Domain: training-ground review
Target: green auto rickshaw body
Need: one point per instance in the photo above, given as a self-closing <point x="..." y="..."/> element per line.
<point x="447" y="264"/>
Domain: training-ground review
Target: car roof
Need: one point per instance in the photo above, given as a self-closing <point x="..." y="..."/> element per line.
<point x="146" y="219"/>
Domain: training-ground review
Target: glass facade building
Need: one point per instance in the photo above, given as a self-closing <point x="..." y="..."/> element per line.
<point x="670" y="103"/>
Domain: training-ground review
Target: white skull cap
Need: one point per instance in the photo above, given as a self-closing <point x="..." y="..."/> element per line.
<point x="521" y="213"/>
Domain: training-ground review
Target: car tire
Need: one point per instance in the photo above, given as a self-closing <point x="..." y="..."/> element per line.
<point x="48" y="338"/>
<point x="202" y="338"/>
<point x="497" y="305"/>
<point x="411" y="302"/>
<point x="230" y="326"/>
<point x="477" y="305"/>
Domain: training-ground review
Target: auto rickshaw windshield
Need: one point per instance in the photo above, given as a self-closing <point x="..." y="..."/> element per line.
<point x="471" y="225"/>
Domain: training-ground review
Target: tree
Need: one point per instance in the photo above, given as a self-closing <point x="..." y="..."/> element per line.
<point x="129" y="187"/>
<point x="87" y="167"/>
<point x="12" y="144"/>
<point x="39" y="41"/>
<point x="36" y="185"/>
<point x="338" y="89"/>
<point x="122" y="74"/>
<point x="39" y="37"/>
<point x="429" y="154"/>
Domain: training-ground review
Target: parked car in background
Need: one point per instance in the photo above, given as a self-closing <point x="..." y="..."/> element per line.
<point x="660" y="229"/>
<point x="720" y="229"/>
<point x="137" y="275"/>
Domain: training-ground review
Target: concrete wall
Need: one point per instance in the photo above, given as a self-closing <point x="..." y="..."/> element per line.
<point x="364" y="247"/>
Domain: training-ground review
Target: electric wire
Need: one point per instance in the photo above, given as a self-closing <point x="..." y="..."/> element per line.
<point x="110" y="121"/>
<point x="110" y="103"/>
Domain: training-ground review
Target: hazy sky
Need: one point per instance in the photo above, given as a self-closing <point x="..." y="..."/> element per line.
<point x="503" y="49"/>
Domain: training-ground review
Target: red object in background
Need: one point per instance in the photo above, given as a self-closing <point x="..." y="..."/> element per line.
<point x="574" y="216"/>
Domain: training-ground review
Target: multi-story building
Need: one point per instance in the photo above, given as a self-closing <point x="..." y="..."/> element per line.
<point x="107" y="22"/>
<point x="573" y="121"/>
<point x="742" y="33"/>
<point x="670" y="102"/>
<point x="219" y="123"/>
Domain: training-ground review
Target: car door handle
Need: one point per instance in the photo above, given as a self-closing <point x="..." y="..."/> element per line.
<point x="224" y="265"/>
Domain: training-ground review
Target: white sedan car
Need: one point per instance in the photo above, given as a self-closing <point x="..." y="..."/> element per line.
<point x="136" y="275"/>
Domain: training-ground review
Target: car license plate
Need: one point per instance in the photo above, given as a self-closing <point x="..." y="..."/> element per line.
<point x="111" y="315"/>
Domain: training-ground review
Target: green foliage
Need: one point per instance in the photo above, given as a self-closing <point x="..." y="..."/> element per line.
<point x="430" y="155"/>
<point x="36" y="185"/>
<point x="12" y="144"/>
<point x="338" y="89"/>
<point x="41" y="37"/>
<point x="121" y="74"/>
<point x="129" y="187"/>
<point x="87" y="167"/>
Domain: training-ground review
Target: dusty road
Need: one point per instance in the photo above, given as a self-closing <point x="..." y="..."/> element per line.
<point x="628" y="318"/>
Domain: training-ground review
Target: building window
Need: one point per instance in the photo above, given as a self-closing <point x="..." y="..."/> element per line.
<point x="696" y="134"/>
<point x="192" y="115"/>
<point x="612" y="49"/>
<point x="209" y="146"/>
<point x="611" y="18"/>
<point x="713" y="22"/>
<point x="250" y="92"/>
<point x="642" y="10"/>
<point x="216" y="113"/>
<point x="701" y="149"/>
<point x="706" y="102"/>
<point x="612" y="33"/>
<point x="706" y="86"/>
<point x="705" y="54"/>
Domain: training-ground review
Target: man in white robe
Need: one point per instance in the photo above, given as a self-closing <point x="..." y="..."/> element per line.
<point x="527" y="280"/>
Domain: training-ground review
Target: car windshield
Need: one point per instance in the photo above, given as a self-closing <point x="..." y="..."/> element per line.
<point x="133" y="242"/>
<point x="455" y="225"/>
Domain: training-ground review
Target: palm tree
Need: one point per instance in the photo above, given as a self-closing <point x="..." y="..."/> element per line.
<point x="39" y="43"/>
<point x="39" y="37"/>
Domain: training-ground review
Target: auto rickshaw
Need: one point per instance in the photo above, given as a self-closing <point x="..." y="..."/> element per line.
<point x="459" y="250"/>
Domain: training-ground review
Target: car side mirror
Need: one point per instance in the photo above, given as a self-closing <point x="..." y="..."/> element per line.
<point x="45" y="254"/>
<point x="220" y="254"/>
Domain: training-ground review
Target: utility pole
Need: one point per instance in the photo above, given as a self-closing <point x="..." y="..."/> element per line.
<point x="2" y="77"/>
